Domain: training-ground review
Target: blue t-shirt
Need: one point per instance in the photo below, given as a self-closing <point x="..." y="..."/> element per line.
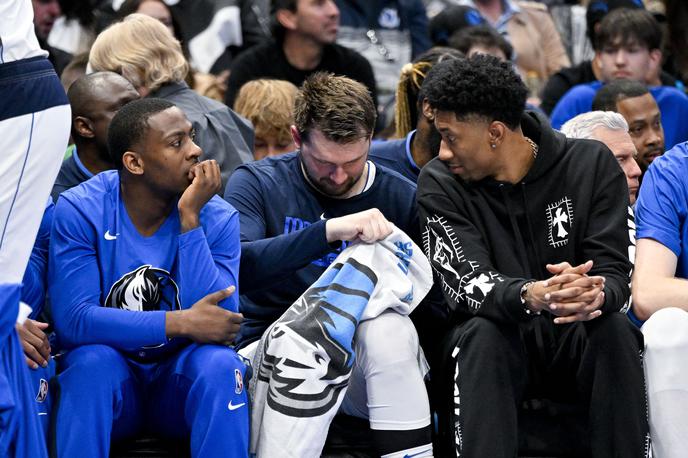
<point x="396" y="155"/>
<point x="660" y="212"/>
<point x="111" y="285"/>
<point x="673" y="105"/>
<point x="284" y="247"/>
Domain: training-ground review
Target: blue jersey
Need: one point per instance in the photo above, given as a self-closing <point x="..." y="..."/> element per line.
<point x="672" y="103"/>
<point x="396" y="155"/>
<point x="111" y="285"/>
<point x="284" y="247"/>
<point x="662" y="205"/>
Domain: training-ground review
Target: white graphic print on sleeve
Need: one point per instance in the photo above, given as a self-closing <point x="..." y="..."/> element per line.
<point x="631" y="255"/>
<point x="560" y="220"/>
<point x="443" y="249"/>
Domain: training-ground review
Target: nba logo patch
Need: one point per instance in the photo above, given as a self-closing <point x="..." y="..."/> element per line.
<point x="238" y="382"/>
<point x="42" y="391"/>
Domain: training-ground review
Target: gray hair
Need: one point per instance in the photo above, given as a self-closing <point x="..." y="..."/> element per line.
<point x="583" y="125"/>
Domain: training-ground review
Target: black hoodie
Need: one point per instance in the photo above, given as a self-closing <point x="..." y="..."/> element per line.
<point x="487" y="238"/>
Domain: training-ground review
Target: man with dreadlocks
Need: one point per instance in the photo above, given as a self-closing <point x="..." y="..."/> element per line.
<point x="417" y="141"/>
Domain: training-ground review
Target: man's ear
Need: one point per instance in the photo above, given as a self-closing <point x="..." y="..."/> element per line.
<point x="428" y="112"/>
<point x="83" y="127"/>
<point x="133" y="163"/>
<point x="296" y="136"/>
<point x="496" y="131"/>
<point x="655" y="63"/>
<point x="286" y="18"/>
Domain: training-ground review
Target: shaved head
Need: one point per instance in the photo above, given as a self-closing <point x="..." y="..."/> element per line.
<point x="95" y="98"/>
<point x="95" y="86"/>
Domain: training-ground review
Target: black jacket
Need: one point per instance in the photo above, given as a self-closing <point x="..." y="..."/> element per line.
<point x="486" y="239"/>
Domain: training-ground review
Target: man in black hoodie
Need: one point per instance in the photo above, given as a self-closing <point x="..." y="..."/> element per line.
<point x="528" y="234"/>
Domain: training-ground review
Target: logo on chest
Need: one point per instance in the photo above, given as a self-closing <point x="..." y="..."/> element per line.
<point x="145" y="289"/>
<point x="560" y="221"/>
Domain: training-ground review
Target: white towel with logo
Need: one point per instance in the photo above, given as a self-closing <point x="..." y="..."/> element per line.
<point x="303" y="361"/>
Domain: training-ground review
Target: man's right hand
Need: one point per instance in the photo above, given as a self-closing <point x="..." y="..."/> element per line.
<point x="570" y="294"/>
<point x="368" y="226"/>
<point x="205" y="321"/>
<point x="35" y="343"/>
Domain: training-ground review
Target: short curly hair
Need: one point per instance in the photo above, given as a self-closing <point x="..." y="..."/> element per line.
<point x="481" y="86"/>
<point x="129" y="126"/>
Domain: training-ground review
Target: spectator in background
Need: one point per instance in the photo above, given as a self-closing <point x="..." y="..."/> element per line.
<point x="94" y="99"/>
<point x="144" y="51"/>
<point x="417" y="141"/>
<point x="75" y="69"/>
<point x="677" y="40"/>
<point x="45" y="13"/>
<point x="635" y="103"/>
<point x="530" y="29"/>
<point x="451" y="20"/>
<point x="588" y="71"/>
<point x="628" y="46"/>
<point x="214" y="31"/>
<point x="611" y="129"/>
<point x="389" y="33"/>
<point x="304" y="34"/>
<point x="482" y="39"/>
<point x="203" y="83"/>
<point x="269" y="105"/>
<point x="74" y="31"/>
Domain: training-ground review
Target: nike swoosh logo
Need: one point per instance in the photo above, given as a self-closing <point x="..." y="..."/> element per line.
<point x="415" y="454"/>
<point x="322" y="217"/>
<point x="109" y="236"/>
<point x="230" y="406"/>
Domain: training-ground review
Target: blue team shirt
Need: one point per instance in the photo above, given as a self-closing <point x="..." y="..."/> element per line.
<point x="663" y="204"/>
<point x="673" y="105"/>
<point x="284" y="247"/>
<point x="396" y="155"/>
<point x="111" y="285"/>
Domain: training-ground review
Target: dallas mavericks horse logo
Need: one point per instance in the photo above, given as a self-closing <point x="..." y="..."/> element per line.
<point x="318" y="331"/>
<point x="145" y="289"/>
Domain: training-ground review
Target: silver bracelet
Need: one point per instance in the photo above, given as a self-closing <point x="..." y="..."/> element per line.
<point x="524" y="291"/>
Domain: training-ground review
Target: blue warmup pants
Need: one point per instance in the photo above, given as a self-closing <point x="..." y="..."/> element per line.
<point x="20" y="434"/>
<point x="105" y="396"/>
<point x="41" y="390"/>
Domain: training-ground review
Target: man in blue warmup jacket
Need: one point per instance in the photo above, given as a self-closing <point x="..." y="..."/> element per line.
<point x="143" y="264"/>
<point x="298" y="211"/>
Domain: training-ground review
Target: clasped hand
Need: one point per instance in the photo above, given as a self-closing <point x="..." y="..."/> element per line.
<point x="570" y="293"/>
